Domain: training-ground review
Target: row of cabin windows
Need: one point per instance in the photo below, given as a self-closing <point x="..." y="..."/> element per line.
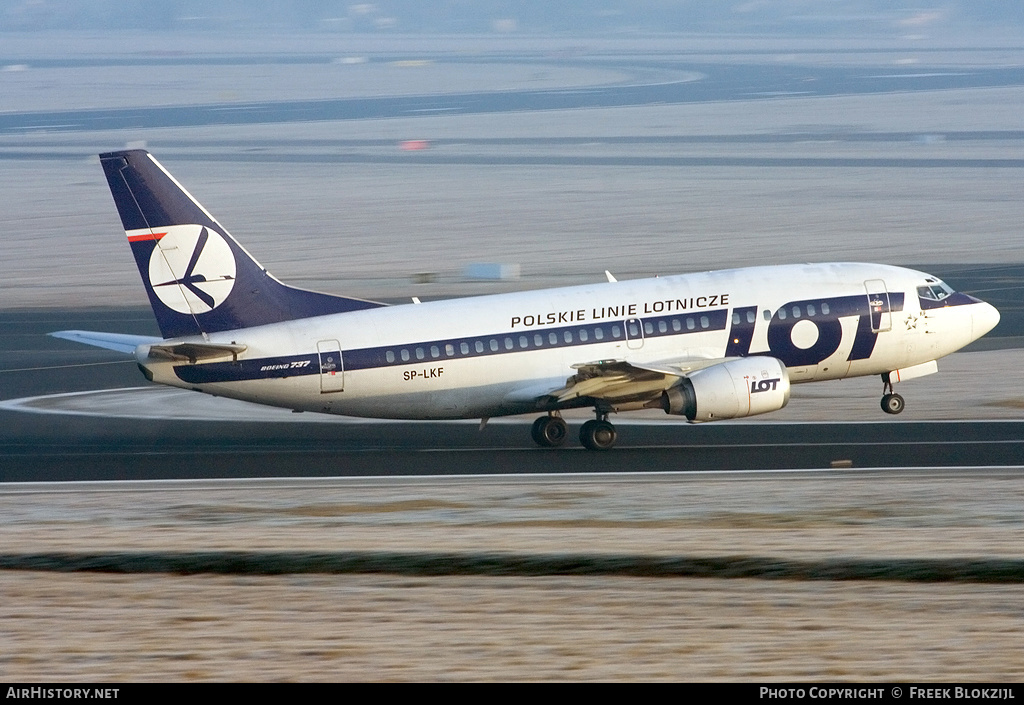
<point x="663" y="325"/>
<point x="539" y="340"/>
<point x="737" y="318"/>
<point x="798" y="310"/>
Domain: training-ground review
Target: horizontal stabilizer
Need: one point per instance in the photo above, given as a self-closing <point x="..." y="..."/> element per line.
<point x="111" y="341"/>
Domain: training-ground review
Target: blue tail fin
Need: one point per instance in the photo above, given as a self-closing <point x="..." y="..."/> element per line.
<point x="199" y="279"/>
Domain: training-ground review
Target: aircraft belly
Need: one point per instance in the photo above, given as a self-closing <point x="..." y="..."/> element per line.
<point x="448" y="388"/>
<point x="299" y="393"/>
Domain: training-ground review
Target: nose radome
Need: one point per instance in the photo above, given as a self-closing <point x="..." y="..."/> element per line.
<point x="984" y="318"/>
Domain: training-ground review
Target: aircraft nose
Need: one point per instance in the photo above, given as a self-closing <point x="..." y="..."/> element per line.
<point x="984" y="318"/>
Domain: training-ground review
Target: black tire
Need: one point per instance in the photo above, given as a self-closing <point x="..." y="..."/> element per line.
<point x="549" y="431"/>
<point x="893" y="403"/>
<point x="598" y="435"/>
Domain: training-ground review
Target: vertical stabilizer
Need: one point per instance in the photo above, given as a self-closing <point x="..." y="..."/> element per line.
<point x="198" y="278"/>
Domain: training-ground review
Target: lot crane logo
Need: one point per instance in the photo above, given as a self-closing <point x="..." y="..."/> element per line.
<point x="192" y="269"/>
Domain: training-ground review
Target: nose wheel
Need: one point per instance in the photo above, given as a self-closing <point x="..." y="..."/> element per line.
<point x="892" y="403"/>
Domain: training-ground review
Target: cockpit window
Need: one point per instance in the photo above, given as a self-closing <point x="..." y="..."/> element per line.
<point x="934" y="292"/>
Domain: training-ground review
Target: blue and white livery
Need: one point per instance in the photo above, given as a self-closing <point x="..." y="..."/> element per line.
<point x="716" y="345"/>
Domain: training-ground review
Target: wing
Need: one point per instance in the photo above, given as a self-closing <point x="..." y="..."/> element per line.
<point x="620" y="384"/>
<point x="699" y="389"/>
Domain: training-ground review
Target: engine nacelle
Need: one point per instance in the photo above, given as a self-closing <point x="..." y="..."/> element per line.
<point x="730" y="390"/>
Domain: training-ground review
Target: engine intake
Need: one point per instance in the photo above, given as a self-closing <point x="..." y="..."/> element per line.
<point x="730" y="390"/>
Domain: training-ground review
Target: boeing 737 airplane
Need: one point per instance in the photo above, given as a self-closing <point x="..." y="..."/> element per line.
<point x="716" y="345"/>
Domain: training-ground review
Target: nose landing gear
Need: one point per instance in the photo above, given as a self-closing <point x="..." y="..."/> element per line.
<point x="892" y="403"/>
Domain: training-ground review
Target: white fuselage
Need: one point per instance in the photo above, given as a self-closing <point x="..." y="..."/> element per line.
<point x="493" y="355"/>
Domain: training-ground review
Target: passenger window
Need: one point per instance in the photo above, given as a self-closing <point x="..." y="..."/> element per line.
<point x="599" y="333"/>
<point x="648" y="327"/>
<point x="449" y="349"/>
<point x="405" y="356"/>
<point x="796" y="312"/>
<point x="751" y="317"/>
<point x="420" y="354"/>
<point x="735" y="318"/>
<point x="538" y="340"/>
<point x="479" y="345"/>
<point x="553" y="338"/>
<point x="567" y="336"/>
<point x="389" y="356"/>
<point x="767" y="315"/>
<point x="583" y="335"/>
<point x="782" y="314"/>
<point x="464" y="348"/>
<point x="676" y="325"/>
<point x="704" y="322"/>
<point x="616" y="332"/>
<point x="662" y="326"/>
<point x="434" y="352"/>
<point x="524" y="342"/>
<point x="509" y="344"/>
<point x="494" y="345"/>
<point x="824" y="309"/>
<point x="810" y="310"/>
<point x="690" y="325"/>
<point x="634" y="331"/>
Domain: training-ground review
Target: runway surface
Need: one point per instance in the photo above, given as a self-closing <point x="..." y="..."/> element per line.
<point x="150" y="433"/>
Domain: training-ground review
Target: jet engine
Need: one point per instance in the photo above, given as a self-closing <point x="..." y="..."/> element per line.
<point x="730" y="390"/>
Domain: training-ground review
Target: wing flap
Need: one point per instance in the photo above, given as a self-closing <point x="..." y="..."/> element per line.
<point x="619" y="381"/>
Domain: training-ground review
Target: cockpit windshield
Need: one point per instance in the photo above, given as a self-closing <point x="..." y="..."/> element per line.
<point x="934" y="292"/>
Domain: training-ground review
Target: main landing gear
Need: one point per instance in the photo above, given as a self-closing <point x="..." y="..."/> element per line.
<point x="549" y="431"/>
<point x="598" y="434"/>
<point x="892" y="403"/>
